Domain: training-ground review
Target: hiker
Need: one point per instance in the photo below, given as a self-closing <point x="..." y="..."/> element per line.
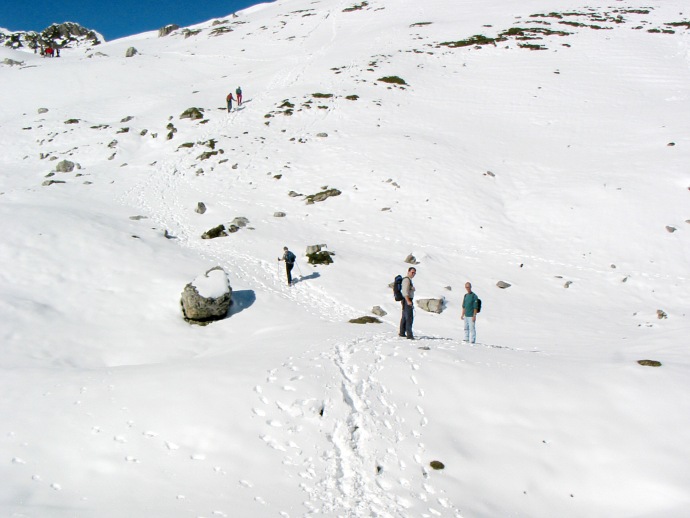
<point x="238" y="93"/>
<point x="289" y="259"/>
<point x="407" y="307"/>
<point x="229" y="99"/>
<point x="470" y="306"/>
<point x="57" y="52"/>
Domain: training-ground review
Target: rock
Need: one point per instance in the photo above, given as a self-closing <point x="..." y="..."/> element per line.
<point x="378" y="311"/>
<point x="279" y="214"/>
<point x="503" y="285"/>
<point x="131" y="52"/>
<point x="661" y="314"/>
<point x="65" y="166"/>
<point x="322" y="135"/>
<point x="431" y="305"/>
<point x="200" y="208"/>
<point x="207" y="298"/>
<point x="138" y="218"/>
<point x="43" y="110"/>
<point x="437" y="464"/>
<point x="312" y="249"/>
<point x="320" y="257"/>
<point x="566" y="285"/>
<point x="239" y="222"/>
<point x="215" y="232"/>
<point x="411" y="259"/>
<point x="193" y="114"/>
<point x="671" y="229"/>
<point x="164" y="31"/>
<point x="51" y="182"/>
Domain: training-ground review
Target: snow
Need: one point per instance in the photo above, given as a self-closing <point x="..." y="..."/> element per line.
<point x="212" y="284"/>
<point x="543" y="169"/>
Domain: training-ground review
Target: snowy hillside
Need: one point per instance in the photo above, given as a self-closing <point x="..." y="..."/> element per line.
<point x="544" y="145"/>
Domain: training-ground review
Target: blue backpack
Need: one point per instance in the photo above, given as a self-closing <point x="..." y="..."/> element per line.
<point x="397" y="288"/>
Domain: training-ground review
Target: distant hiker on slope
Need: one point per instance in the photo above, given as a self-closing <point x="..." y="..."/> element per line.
<point x="289" y="259"/>
<point x="238" y="93"/>
<point x="470" y="308"/>
<point x="407" y="290"/>
<point x="229" y="99"/>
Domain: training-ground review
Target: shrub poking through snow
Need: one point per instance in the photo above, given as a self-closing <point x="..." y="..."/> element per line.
<point x="649" y="363"/>
<point x="394" y="80"/>
<point x="365" y="320"/>
<point x="192" y="113"/>
<point x="321" y="196"/>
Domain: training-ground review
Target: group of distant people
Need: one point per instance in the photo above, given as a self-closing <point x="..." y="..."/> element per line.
<point x="470" y="307"/>
<point x="229" y="99"/>
<point x="50" y="52"/>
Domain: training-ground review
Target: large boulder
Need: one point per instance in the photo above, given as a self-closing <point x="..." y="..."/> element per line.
<point x="431" y="305"/>
<point x="207" y="298"/>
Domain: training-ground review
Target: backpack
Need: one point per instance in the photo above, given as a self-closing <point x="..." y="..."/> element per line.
<point x="397" y="288"/>
<point x="238" y="91"/>
<point x="290" y="257"/>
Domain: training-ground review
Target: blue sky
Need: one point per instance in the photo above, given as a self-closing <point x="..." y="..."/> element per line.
<point x="114" y="18"/>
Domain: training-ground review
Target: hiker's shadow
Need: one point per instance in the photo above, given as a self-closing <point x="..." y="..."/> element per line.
<point x="309" y="277"/>
<point x="241" y="300"/>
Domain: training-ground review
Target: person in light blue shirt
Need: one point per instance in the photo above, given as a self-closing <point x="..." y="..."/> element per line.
<point x="470" y="306"/>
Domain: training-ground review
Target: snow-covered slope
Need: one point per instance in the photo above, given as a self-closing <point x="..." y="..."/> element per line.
<point x="553" y="158"/>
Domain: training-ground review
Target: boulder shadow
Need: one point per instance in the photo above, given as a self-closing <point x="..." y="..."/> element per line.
<point x="241" y="300"/>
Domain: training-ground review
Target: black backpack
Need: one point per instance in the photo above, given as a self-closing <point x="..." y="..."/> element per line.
<point x="397" y="288"/>
<point x="290" y="258"/>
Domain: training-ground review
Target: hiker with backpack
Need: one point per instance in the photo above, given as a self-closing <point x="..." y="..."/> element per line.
<point x="238" y="93"/>
<point x="471" y="305"/>
<point x="229" y="100"/>
<point x="289" y="259"/>
<point x="406" y="296"/>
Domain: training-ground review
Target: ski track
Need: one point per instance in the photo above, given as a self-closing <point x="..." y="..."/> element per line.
<point x="174" y="176"/>
<point x="370" y="460"/>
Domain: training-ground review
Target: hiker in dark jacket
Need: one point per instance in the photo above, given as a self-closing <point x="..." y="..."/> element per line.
<point x="407" y="307"/>
<point x="289" y="259"/>
<point x="229" y="99"/>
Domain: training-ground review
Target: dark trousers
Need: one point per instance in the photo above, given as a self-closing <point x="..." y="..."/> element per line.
<point x="288" y="271"/>
<point x="406" y="320"/>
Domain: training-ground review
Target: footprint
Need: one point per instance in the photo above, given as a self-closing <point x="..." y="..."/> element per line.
<point x="171" y="446"/>
<point x="259" y="412"/>
<point x="246" y="483"/>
